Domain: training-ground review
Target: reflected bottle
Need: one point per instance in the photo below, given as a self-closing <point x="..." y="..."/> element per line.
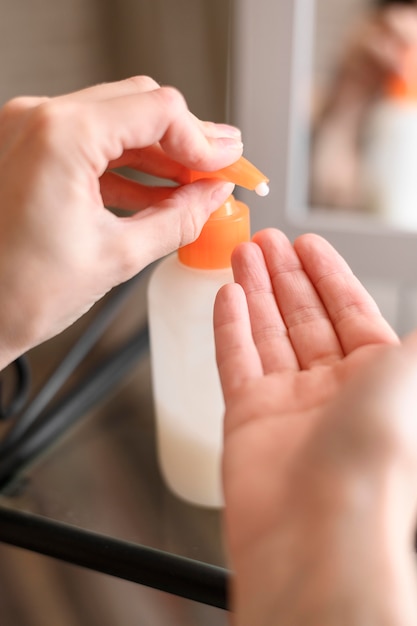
<point x="389" y="164"/>
<point x="186" y="387"/>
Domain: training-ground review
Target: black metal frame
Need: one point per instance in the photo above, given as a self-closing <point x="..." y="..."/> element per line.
<point x="161" y="570"/>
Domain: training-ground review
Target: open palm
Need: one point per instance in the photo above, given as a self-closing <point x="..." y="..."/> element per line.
<point x="290" y="334"/>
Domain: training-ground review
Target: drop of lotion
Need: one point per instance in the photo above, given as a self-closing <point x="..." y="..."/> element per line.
<point x="262" y="189"/>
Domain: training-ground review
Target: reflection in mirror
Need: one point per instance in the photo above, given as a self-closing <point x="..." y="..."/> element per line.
<point x="363" y="129"/>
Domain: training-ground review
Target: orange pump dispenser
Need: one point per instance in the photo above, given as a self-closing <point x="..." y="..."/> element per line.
<point x="227" y="226"/>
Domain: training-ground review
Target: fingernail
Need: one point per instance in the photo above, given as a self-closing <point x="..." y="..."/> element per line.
<point x="215" y="131"/>
<point x="230" y="143"/>
<point x="226" y="130"/>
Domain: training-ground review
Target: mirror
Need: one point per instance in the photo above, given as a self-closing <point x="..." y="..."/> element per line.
<point x="271" y="99"/>
<point x="360" y="111"/>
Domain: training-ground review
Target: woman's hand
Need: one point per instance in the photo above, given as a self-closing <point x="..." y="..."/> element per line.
<point x="60" y="248"/>
<point x="320" y="462"/>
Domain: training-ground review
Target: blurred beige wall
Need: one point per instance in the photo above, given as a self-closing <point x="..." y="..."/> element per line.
<point x="52" y="46"/>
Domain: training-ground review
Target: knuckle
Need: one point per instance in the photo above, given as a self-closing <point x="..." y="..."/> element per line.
<point x="51" y="119"/>
<point x="43" y="126"/>
<point x="183" y="131"/>
<point x="14" y="107"/>
<point x="143" y="83"/>
<point x="47" y="116"/>
<point x="173" y="99"/>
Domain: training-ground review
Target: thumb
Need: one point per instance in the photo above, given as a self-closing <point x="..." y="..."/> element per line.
<point x="167" y="225"/>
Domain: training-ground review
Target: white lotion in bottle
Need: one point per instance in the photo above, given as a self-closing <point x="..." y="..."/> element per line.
<point x="188" y="398"/>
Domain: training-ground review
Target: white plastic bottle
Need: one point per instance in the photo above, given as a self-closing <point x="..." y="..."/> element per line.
<point x="389" y="164"/>
<point x="187" y="393"/>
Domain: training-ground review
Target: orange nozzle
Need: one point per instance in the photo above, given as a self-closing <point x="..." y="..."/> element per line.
<point x="242" y="173"/>
<point x="226" y="227"/>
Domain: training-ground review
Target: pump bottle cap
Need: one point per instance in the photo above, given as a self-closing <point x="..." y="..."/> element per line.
<point x="229" y="225"/>
<point x="224" y="230"/>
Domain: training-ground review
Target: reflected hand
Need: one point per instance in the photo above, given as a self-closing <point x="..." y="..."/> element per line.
<point x="377" y="47"/>
<point x="320" y="440"/>
<point x="374" y="49"/>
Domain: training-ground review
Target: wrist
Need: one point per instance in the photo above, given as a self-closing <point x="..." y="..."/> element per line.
<point x="332" y="560"/>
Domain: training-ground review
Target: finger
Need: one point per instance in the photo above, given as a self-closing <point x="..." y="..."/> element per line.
<point x="140" y="120"/>
<point x="268" y="328"/>
<point x="352" y="311"/>
<point x="237" y="356"/>
<point x="153" y="160"/>
<point x="138" y="240"/>
<point x="124" y="193"/>
<point x="105" y="91"/>
<point x="311" y="332"/>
